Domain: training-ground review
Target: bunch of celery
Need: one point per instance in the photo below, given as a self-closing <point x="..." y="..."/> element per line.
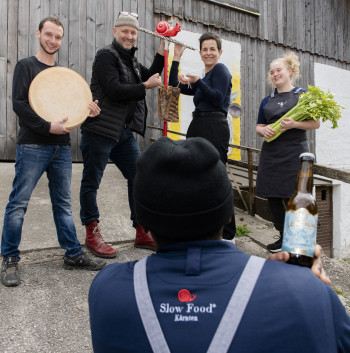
<point x="313" y="104"/>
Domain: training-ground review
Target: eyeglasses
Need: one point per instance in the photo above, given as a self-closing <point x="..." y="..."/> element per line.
<point x="125" y="13"/>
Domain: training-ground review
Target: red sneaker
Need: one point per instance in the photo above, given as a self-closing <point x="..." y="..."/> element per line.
<point x="143" y="239"/>
<point x="95" y="243"/>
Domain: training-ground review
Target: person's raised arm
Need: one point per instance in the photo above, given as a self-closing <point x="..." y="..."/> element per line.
<point x="179" y="80"/>
<point x="161" y="47"/>
<point x="157" y="64"/>
<point x="178" y="51"/>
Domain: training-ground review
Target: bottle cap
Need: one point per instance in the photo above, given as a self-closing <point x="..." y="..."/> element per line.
<point x="307" y="156"/>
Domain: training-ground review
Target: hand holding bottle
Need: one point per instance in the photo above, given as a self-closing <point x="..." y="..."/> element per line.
<point x="317" y="266"/>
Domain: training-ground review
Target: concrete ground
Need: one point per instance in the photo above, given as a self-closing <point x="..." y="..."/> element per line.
<point x="48" y="311"/>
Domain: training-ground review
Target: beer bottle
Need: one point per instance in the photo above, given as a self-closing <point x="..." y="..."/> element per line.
<point x="300" y="225"/>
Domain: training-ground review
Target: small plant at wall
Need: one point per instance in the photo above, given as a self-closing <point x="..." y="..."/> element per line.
<point x="242" y="231"/>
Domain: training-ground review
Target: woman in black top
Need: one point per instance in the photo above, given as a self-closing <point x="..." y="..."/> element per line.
<point x="211" y="99"/>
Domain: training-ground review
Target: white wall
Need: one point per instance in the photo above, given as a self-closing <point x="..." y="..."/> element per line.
<point x="333" y="145"/>
<point x="333" y="150"/>
<point x="341" y="223"/>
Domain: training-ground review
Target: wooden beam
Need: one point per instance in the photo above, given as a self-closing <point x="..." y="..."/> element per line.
<point x="332" y="173"/>
<point x="239" y="8"/>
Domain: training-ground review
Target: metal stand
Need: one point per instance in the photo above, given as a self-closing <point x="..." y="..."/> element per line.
<point x="166" y="54"/>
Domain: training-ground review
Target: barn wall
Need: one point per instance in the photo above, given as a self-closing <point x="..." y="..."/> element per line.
<point x="318" y="31"/>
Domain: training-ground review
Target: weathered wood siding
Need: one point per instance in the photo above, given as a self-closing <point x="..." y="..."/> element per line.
<point x="317" y="26"/>
<point x="317" y="30"/>
<point x="88" y="26"/>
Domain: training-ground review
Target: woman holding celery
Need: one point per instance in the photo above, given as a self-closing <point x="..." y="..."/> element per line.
<point x="279" y="159"/>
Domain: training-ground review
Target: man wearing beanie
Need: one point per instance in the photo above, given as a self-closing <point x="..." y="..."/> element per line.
<point x="119" y="82"/>
<point x="199" y="293"/>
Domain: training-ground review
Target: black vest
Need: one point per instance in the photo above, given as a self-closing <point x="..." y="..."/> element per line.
<point x="114" y="114"/>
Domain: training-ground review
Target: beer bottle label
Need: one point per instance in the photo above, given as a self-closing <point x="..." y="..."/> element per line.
<point x="299" y="234"/>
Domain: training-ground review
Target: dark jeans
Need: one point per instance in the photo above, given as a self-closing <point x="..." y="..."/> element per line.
<point x="278" y="210"/>
<point x="96" y="150"/>
<point x="32" y="161"/>
<point x="213" y="126"/>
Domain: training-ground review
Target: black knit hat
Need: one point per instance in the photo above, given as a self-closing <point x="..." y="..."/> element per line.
<point x="182" y="189"/>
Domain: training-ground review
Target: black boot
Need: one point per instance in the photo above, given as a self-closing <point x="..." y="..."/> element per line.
<point x="276" y="246"/>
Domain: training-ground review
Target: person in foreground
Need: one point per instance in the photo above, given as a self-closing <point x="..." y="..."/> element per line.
<point x="202" y="290"/>
<point x="41" y="147"/>
<point x="119" y="82"/>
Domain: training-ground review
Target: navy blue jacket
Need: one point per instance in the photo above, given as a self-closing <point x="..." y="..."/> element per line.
<point x="290" y="310"/>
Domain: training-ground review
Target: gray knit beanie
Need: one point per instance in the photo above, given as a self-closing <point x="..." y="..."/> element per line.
<point x="182" y="189"/>
<point x="127" y="20"/>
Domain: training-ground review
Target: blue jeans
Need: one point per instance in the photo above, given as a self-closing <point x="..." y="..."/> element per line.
<point x="96" y="150"/>
<point x="31" y="163"/>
